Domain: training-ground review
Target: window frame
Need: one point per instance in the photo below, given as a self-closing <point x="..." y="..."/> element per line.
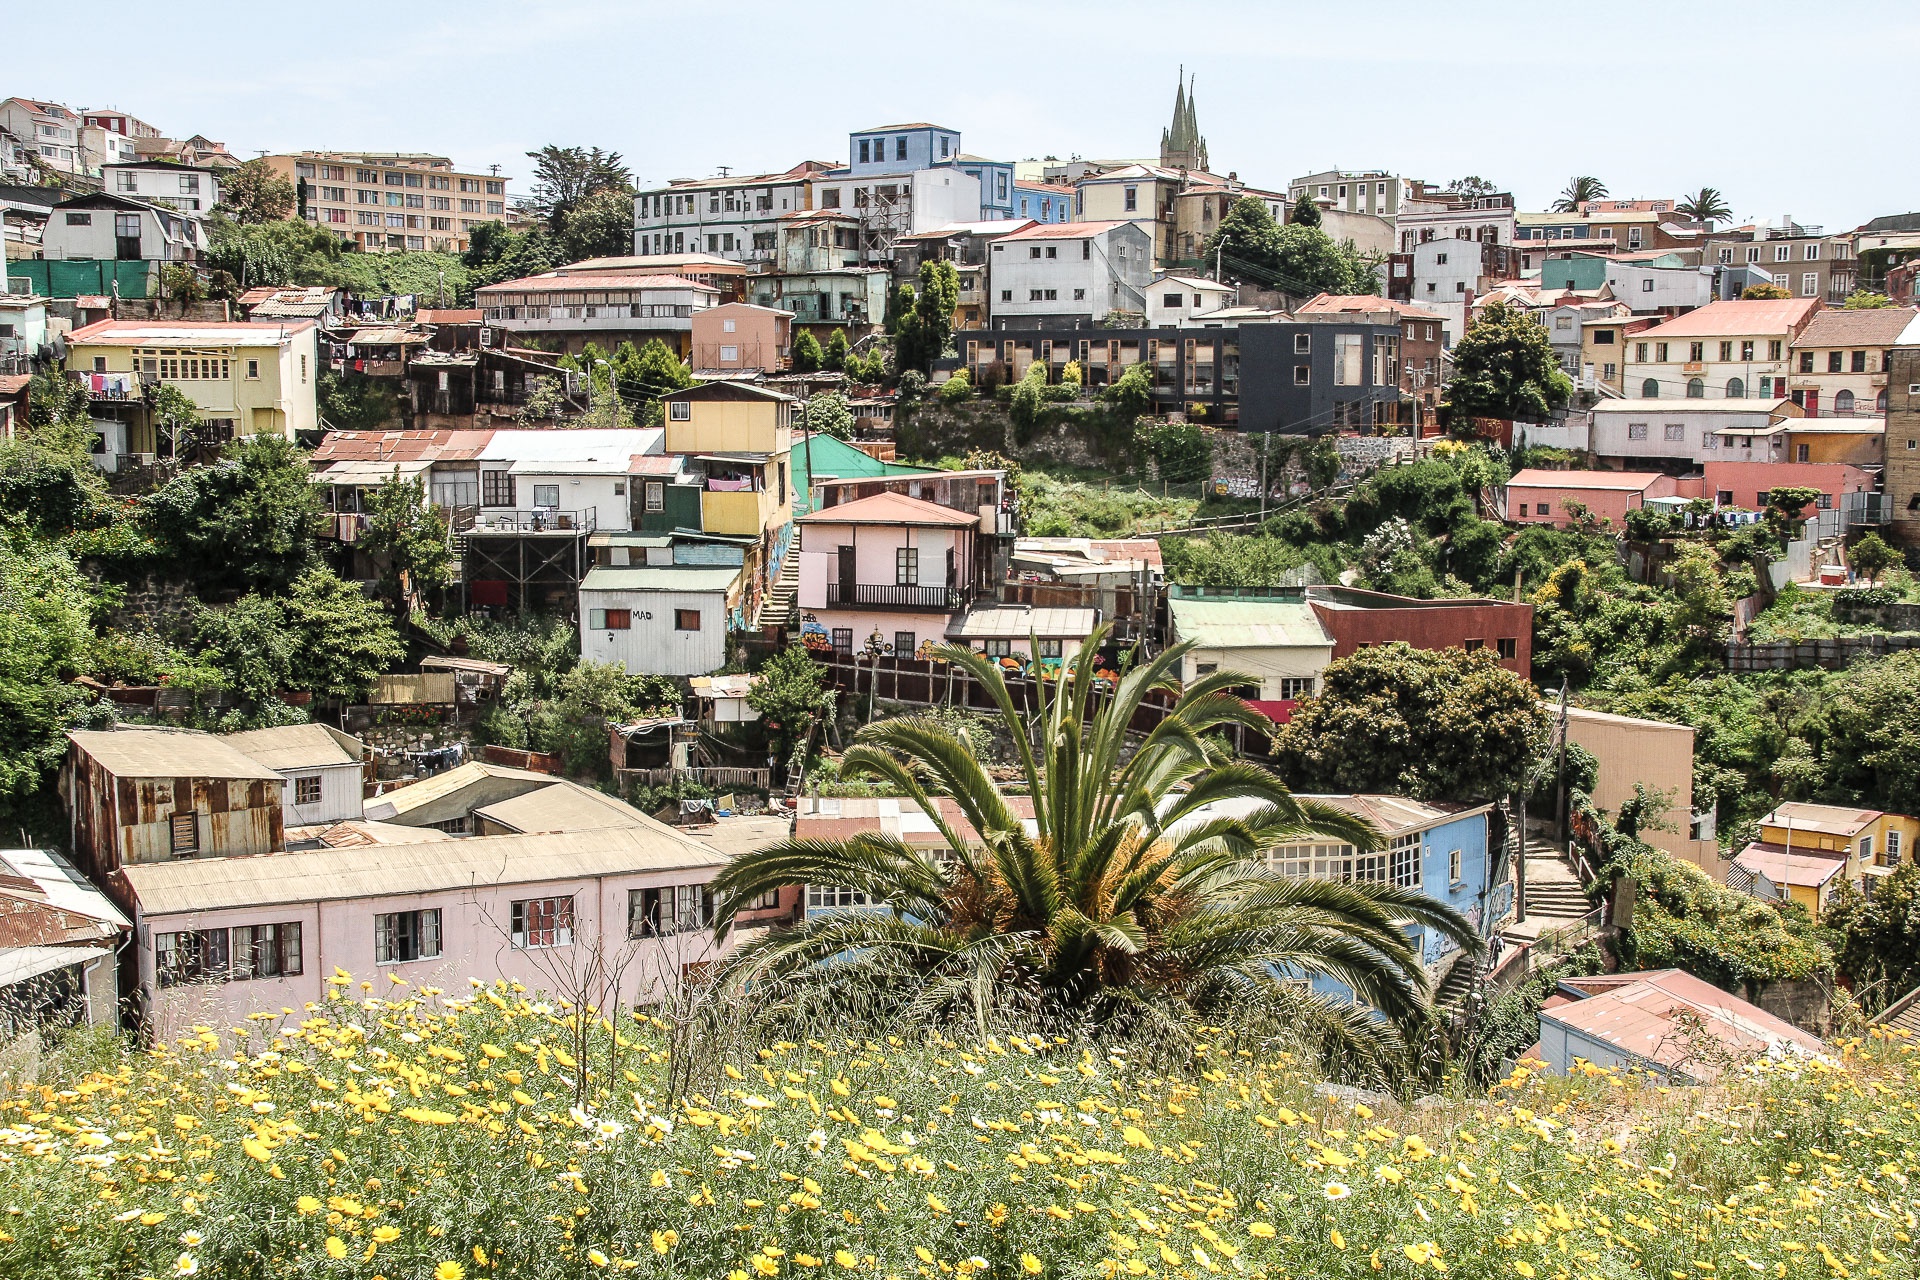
<point x="541" y="924"/>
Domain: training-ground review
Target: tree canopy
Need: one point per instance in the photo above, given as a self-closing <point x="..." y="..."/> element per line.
<point x="253" y="193"/>
<point x="407" y="539"/>
<point x="1297" y="258"/>
<point x="1435" y="724"/>
<point x="1504" y="367"/>
<point x="924" y="332"/>
<point x="1705" y="205"/>
<point x="1579" y="191"/>
<point x="250" y="520"/>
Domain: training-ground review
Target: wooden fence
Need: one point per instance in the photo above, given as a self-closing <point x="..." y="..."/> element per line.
<point x="717" y="776"/>
<point x="514" y="758"/>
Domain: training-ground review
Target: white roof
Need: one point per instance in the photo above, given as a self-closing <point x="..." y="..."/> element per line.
<point x="149" y="751"/>
<point x="590" y="445"/>
<point x="1194" y="282"/>
<point x="62" y="884"/>
<point x="17" y="964"/>
<point x="1019" y="622"/>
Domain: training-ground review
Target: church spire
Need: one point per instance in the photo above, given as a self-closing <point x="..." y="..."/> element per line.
<point x="1181" y="146"/>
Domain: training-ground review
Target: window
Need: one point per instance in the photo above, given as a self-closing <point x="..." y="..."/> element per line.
<point x="1835" y="361"/>
<point x="1858" y="362"/>
<point x="1205" y="668"/>
<point x="680" y="411"/>
<point x="686" y="619"/>
<point x="1079" y="295"/>
<point x="1640" y="351"/>
<point x="184" y="834"/>
<point x="1543" y="508"/>
<point x="1302" y="375"/>
<point x="1726" y="351"/>
<point x="1034" y="295"/>
<point x="899" y="148"/>
<point x="546" y="495"/>
<point x="999" y="648"/>
<point x="1801" y="452"/>
<point x="1866" y="848"/>
<point x="1736" y="389"/>
<point x="253" y="370"/>
<point x="677" y="908"/>
<point x="1696" y="389"/>
<point x="1170" y="300"/>
<point x="1132" y="199"/>
<point x="1508" y="647"/>
<point x="656" y="495"/>
<point x="306" y="789"/>
<point x="197" y="955"/>
<point x="400" y="936"/>
<point x="730" y="354"/>
<point x="1696" y="352"/>
<point x="1053" y="251"/>
<point x="79" y="219"/>
<point x="1453" y="866"/>
<point x="1293" y="688"/>
<point x="1049" y="649"/>
<point x="225" y="955"/>
<point x="496" y="489"/>
<point x="1349" y="350"/>
<point x="825" y="897"/>
<point x="1660" y="353"/>
<point x="863" y="151"/>
<point x="1892" y="856"/>
<point x="906" y="567"/>
<point x="609" y="619"/>
<point x="1302" y="343"/>
<point x="1636" y="431"/>
<point x="905" y="644"/>
<point x="1843" y="402"/>
<point x="843" y="640"/>
<point x="1006" y="295"/>
<point x="542" y="922"/>
<point x="1810" y="285"/>
<point x="1674" y="431"/>
<point x="1609" y="371"/>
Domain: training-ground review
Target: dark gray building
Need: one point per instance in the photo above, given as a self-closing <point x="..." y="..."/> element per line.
<point x="1296" y="377"/>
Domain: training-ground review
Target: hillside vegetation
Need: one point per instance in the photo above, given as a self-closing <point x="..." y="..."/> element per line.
<point x="429" y="1136"/>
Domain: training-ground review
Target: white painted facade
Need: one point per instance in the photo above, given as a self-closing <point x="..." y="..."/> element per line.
<point x="676" y="619"/>
<point x="583" y="474"/>
<point x="1647" y="289"/>
<point x="1422" y="221"/>
<point x="340" y="799"/>
<point x="737" y="218"/>
<point x="179" y="186"/>
<point x="1690" y="430"/>
<point x="1174" y="300"/>
<point x="1446" y="275"/>
<point x="923" y="200"/>
<point x="94" y="232"/>
<point x="1077" y="271"/>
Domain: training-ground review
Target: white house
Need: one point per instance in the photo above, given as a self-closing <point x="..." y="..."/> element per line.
<point x="178" y="186"/>
<point x="542" y="480"/>
<point x="1645" y="287"/>
<point x="1277" y="640"/>
<point x="23" y="323"/>
<point x="734" y="217"/>
<point x="891" y="205"/>
<point x="1175" y="300"/>
<point x="1446" y="278"/>
<point x="322" y="767"/>
<point x="658" y="621"/>
<point x="1623" y="432"/>
<point x="106" y="227"/>
<point x="1069" y="274"/>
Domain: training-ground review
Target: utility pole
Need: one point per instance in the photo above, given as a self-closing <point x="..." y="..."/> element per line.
<point x="1265" y="441"/>
<point x="1560" y="771"/>
<point x="1218" y="251"/>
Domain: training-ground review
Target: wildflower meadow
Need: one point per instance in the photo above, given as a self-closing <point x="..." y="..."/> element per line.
<point x="420" y="1134"/>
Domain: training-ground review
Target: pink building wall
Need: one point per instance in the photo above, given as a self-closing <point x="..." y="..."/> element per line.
<point x="1606" y="503"/>
<point x="1746" y="481"/>
<point x="474" y="933"/>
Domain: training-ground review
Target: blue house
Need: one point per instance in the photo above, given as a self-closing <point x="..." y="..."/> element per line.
<point x="900" y="148"/>
<point x="1043" y="202"/>
<point x="996" y="185"/>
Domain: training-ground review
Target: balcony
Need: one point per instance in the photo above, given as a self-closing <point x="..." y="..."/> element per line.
<point x="926" y="599"/>
<point x="536" y="520"/>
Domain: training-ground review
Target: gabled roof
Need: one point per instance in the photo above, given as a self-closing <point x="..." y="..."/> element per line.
<point x="1064" y="230"/>
<point x="400" y="446"/>
<point x="989" y="227"/>
<point x="297" y="746"/>
<point x="1736" y="318"/>
<point x="1021" y="622"/>
<point x="890" y="508"/>
<point x="1248" y="624"/>
<point x="134" y="751"/>
<point x="1826" y="819"/>
<point x="1806" y="869"/>
<point x="1838" y="327"/>
<point x="728" y="390"/>
<point x="691" y="579"/>
<point x="1640" y="1014"/>
<point x="597" y="280"/>
<point x="1341" y="304"/>
<point x="564" y="806"/>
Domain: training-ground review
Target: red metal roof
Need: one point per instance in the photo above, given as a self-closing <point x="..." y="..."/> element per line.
<point x="1736" y="318"/>
<point x="1638" y="1012"/>
<point x="1336" y="303"/>
<point x="401" y="446"/>
<point x="1535" y="478"/>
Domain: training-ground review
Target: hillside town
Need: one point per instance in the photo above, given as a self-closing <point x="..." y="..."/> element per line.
<point x="983" y="593"/>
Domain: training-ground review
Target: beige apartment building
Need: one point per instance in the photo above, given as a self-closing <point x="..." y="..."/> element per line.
<point x="385" y="201"/>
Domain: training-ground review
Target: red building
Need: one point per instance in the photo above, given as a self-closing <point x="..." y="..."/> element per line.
<point x="1356" y="619"/>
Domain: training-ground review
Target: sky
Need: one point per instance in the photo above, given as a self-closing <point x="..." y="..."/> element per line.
<point x="1786" y="108"/>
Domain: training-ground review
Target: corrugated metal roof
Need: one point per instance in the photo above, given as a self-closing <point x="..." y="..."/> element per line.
<point x="1736" y="318"/>
<point x="588" y="444"/>
<point x="332" y="875"/>
<point x="1828" y="819"/>
<point x="1019" y="622"/>
<point x="298" y="746"/>
<point x="889" y="508"/>
<point x="661" y="578"/>
<point x="62" y="885"/>
<point x="369" y="472"/>
<point x="1805" y="869"/>
<point x="358" y="833"/>
<point x="1248" y="624"/>
<point x="138" y="751"/>
<point x="17" y="964"/>
<point x="415" y="796"/>
<point x="1636" y="1012"/>
<point x="564" y="806"/>
<point x="1536" y="478"/>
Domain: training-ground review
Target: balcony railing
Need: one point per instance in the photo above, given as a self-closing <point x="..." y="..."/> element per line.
<point x="844" y="595"/>
<point x="532" y="520"/>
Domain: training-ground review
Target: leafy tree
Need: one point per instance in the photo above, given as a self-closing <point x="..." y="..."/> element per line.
<point x="407" y="538"/>
<point x="48" y="487"/>
<point x="653" y="370"/>
<point x="1028" y="395"/>
<point x="1580" y="191"/>
<point x="1872" y="556"/>
<point x="254" y="193"/>
<point x="1182" y="452"/>
<point x="52" y="398"/>
<point x="1131" y="394"/>
<point x="838" y="349"/>
<point x="1245" y="233"/>
<point x="288" y="252"/>
<point x="924" y="333"/>
<point x="46" y="634"/>
<point x="806" y="354"/>
<point x="1504" y="367"/>
<point x="323" y="637"/>
<point x="1705" y="205"/>
<point x="1867" y="731"/>
<point x="566" y="178"/>
<point x="1305" y="213"/>
<point x="600" y="226"/>
<point x="829" y="413"/>
<point x="250" y="520"/>
<point x="790" y="695"/>
<point x="1879" y="936"/>
<point x="1126" y="908"/>
<point x="495" y="254"/>
<point x="899" y="306"/>
<point x="1440" y="724"/>
<point x="181" y="285"/>
<point x="1786" y="507"/>
<point x="1298" y="257"/>
<point x="1472" y="187"/>
<point x="1706" y="607"/>
<point x="958" y="387"/>
<point x="1763" y="292"/>
<point x="1866" y="300"/>
<point x="354" y="402"/>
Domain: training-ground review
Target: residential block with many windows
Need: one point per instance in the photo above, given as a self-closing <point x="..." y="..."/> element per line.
<point x="386" y="201"/>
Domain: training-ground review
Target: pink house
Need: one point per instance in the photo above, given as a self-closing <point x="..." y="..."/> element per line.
<point x="737" y="337"/>
<point x="883" y="574"/>
<point x="220" y="938"/>
<point x="1745" y="484"/>
<point x="1541" y="497"/>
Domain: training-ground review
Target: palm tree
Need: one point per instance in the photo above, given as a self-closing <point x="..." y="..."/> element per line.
<point x="1578" y="192"/>
<point x="1705" y="205"/>
<point x="1132" y="901"/>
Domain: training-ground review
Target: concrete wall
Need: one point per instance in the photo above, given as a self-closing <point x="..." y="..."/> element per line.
<point x="1434" y="625"/>
<point x="1268" y="665"/>
<point x="1747" y="481"/>
<point x="1110" y="271"/>
<point x="818" y="625"/>
<point x="1653" y="753"/>
<point x="730" y="426"/>
<point x="602" y="497"/>
<point x="1468" y="836"/>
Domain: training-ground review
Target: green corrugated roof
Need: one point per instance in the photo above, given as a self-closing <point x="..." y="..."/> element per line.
<point x="1247" y="624"/>
<point x="837" y="458"/>
<point x="658" y="578"/>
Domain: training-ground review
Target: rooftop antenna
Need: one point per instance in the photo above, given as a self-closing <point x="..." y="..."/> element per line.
<point x="725" y="171"/>
<point x="494" y="169"/>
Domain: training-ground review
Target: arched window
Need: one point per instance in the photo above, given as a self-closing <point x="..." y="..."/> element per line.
<point x="1696" y="389"/>
<point x="1843" y="402"/>
<point x="1736" y="389"/>
<point x="1880" y="401"/>
<point x="1650" y="389"/>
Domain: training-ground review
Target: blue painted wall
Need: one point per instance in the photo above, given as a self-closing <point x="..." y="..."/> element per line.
<point x="883" y="147"/>
<point x="1041" y="205"/>
<point x="1469" y="836"/>
<point x="997" y="187"/>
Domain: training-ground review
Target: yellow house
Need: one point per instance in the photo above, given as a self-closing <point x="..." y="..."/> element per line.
<point x="738" y="441"/>
<point x="244" y="378"/>
<point x="1805" y="851"/>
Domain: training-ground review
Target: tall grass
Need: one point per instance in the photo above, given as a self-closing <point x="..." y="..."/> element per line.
<point x="418" y="1134"/>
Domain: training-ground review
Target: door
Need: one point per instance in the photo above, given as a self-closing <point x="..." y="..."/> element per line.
<point x="1812" y="405"/>
<point x="846" y="575"/>
<point x="126" y="236"/>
